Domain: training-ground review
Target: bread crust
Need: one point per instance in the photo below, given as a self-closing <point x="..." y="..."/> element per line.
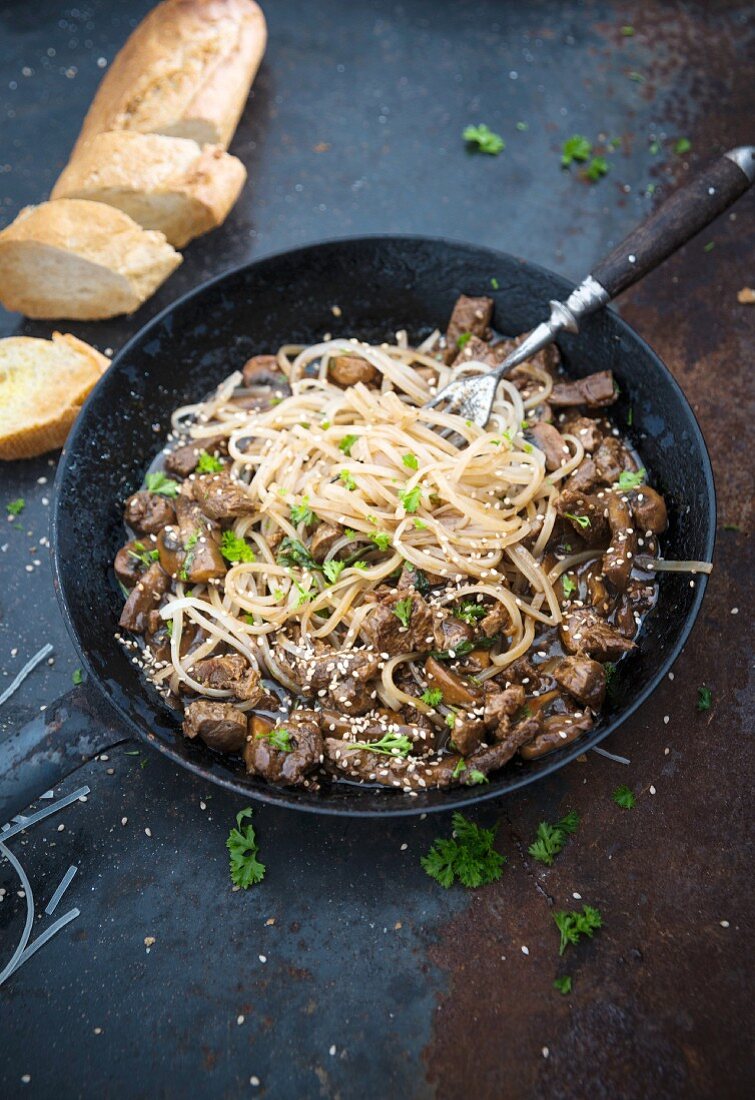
<point x="164" y="183"/>
<point x="43" y="384"/>
<point x="185" y="71"/>
<point x="82" y="260"/>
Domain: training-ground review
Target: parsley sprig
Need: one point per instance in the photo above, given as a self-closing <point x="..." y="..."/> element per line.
<point x="550" y="839"/>
<point x="245" y="868"/>
<point x="208" y="464"/>
<point x="630" y="480"/>
<point x="143" y="555"/>
<point x="390" y="744"/>
<point x="704" y="698"/>
<point x="235" y="549"/>
<point x="484" y="139"/>
<point x="624" y="797"/>
<point x="302" y="513"/>
<point x="164" y="486"/>
<point x="278" y="738"/>
<point x="467" y="857"/>
<point x="581" y="521"/>
<point x="433" y="696"/>
<point x="403" y="610"/>
<point x="574" y="925"/>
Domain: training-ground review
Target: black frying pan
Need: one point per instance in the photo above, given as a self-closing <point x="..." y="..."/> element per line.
<point x="381" y="284"/>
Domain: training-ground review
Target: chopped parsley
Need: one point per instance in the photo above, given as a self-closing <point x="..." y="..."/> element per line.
<point x="484" y="138"/>
<point x="550" y="839"/>
<point x="279" y="739"/>
<point x="359" y="565"/>
<point x="410" y="460"/>
<point x="704" y="698"/>
<point x="624" y="797"/>
<point x="522" y="127"/>
<point x="305" y="594"/>
<point x="347" y="443"/>
<point x="581" y="521"/>
<point x="235" y="549"/>
<point x="463" y="339"/>
<point x="381" y="539"/>
<point x="162" y="485"/>
<point x="597" y="167"/>
<point x="333" y="570"/>
<point x="390" y="744"/>
<point x="77" y="676"/>
<point x="475" y="777"/>
<point x="410" y="498"/>
<point x="709" y="246"/>
<point x="403" y="610"/>
<point x="208" y="464"/>
<point x="450" y="718"/>
<point x="630" y="480"/>
<point x="563" y="985"/>
<point x="630" y="417"/>
<point x="420" y="524"/>
<point x="729" y="527"/>
<point x="460" y="767"/>
<point x="15" y="507"/>
<point x="432" y="697"/>
<point x="467" y="857"/>
<point x="576" y="148"/>
<point x="627" y="32"/>
<point x="242" y="848"/>
<point x="495" y="284"/>
<point x="569" y="586"/>
<point x="573" y="925"/>
<point x="302" y="513"/>
<point x="348" y="480"/>
<point x="143" y="555"/>
<point x="470" y="612"/>
<point x="682" y="146"/>
<point x="638" y="78"/>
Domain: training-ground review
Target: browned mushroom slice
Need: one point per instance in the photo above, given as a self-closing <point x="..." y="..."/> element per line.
<point x="649" y="510"/>
<point x="347" y="370"/>
<point x="469" y="316"/>
<point x="594" y="391"/>
<point x="145" y="597"/>
<point x="148" y="512"/>
<point x="558" y="730"/>
<point x="618" y="560"/>
<point x="219" y="725"/>
<point x="289" y="752"/>
<point x="132" y="560"/>
<point x="584" y="679"/>
<point x="455" y="691"/>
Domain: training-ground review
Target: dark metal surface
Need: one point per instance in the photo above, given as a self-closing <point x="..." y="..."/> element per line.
<point x="662" y="997"/>
<point x="384" y="284"/>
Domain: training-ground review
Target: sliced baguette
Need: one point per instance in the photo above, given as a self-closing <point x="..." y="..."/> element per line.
<point x="43" y="384"/>
<point x="82" y="260"/>
<point x="164" y="183"/>
<point x="185" y="71"/>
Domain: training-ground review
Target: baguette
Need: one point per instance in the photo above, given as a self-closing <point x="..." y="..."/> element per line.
<point x="81" y="260"/>
<point x="43" y="384"/>
<point x="163" y="183"/>
<point x="185" y="72"/>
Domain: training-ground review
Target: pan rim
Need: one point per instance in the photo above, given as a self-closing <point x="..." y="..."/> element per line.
<point x="276" y="796"/>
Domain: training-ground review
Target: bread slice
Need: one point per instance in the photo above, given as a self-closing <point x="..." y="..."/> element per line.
<point x="43" y="384"/>
<point x="185" y="71"/>
<point x="79" y="259"/>
<point x="164" y="183"/>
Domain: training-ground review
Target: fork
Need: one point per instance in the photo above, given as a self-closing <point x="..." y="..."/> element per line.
<point x="675" y="222"/>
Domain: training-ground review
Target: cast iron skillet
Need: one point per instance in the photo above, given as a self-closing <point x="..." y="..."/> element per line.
<point x="381" y="284"/>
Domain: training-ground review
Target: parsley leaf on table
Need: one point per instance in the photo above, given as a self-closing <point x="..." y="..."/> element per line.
<point x="573" y="925"/>
<point x="597" y="167"/>
<point x="242" y="847"/>
<point x="15" y="507"/>
<point x="484" y="138"/>
<point x="574" y="148"/>
<point x="624" y="797"/>
<point x="467" y="857"/>
<point x="550" y="839"/>
<point x="563" y="985"/>
<point x="704" y="698"/>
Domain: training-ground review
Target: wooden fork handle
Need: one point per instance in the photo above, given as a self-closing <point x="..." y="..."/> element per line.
<point x="677" y="220"/>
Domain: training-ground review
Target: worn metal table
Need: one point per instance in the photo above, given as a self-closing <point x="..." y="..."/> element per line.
<point x="348" y="972"/>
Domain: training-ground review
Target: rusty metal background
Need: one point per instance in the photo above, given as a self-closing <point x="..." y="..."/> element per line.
<point x="354" y="127"/>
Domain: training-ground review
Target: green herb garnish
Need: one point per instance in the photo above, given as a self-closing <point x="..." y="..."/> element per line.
<point x="467" y="857"/>
<point x="293" y="552"/>
<point x="302" y="513"/>
<point x="581" y="521"/>
<point x="410" y="460"/>
<point x="141" y="554"/>
<point x="476" y="777"/>
<point x="597" y="167"/>
<point x="470" y="612"/>
<point x="484" y="138"/>
<point x="463" y="339"/>
<point x="683" y="145"/>
<point x="333" y="570"/>
<point x="242" y="847"/>
<point x="569" y="586"/>
<point x="348" y="480"/>
<point x="381" y="539"/>
<point x="630" y="480"/>
<point x="704" y="698"/>
<point x="235" y="549"/>
<point x="573" y="925"/>
<point x="162" y="485"/>
<point x="410" y="498"/>
<point x="347" y="443"/>
<point x="432" y="697"/>
<point x="279" y="739"/>
<point x="563" y="985"/>
<point x="208" y="464"/>
<point x="624" y="797"/>
<point x="77" y="676"/>
<point x="15" y="507"/>
<point x="550" y="839"/>
<point x="574" y="148"/>
<point x="403" y="610"/>
<point x="390" y="744"/>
